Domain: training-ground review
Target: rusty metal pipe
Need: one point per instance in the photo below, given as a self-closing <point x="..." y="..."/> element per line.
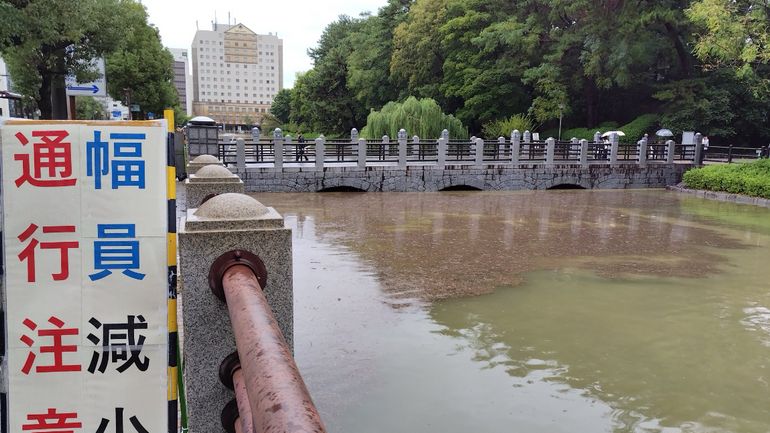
<point x="244" y="423"/>
<point x="277" y="394"/>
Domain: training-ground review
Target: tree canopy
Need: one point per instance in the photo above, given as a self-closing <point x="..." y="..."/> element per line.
<point x="694" y="64"/>
<point x="43" y="41"/>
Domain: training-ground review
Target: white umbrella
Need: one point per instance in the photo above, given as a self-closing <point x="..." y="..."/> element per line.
<point x="664" y="133"/>
<point x="608" y="133"/>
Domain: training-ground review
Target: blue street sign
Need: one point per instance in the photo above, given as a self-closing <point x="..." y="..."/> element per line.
<point x="93" y="88"/>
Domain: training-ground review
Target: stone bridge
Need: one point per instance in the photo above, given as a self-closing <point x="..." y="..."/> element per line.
<point x="281" y="165"/>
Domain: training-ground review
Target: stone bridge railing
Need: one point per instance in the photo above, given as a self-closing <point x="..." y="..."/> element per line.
<point x="520" y="149"/>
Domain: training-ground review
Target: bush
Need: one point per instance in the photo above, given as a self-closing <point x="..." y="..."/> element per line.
<point x="423" y="118"/>
<point x="751" y="179"/>
<point x="504" y="127"/>
<point x="634" y="130"/>
<point x="644" y="124"/>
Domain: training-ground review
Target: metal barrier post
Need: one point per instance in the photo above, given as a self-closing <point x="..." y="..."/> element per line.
<point x="278" y="397"/>
<point x="204" y="234"/>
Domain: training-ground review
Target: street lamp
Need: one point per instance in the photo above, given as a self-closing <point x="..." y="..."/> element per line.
<point x="561" y="110"/>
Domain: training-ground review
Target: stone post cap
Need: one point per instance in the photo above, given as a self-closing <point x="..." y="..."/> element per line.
<point x="445" y="134"/>
<point x="385" y="138"/>
<point x="401" y="133"/>
<point x="205" y="159"/>
<point x="550" y="139"/>
<point x="353" y="131"/>
<point x="232" y="211"/>
<point x="515" y="133"/>
<point x="416" y="138"/>
<point x="213" y="173"/>
<point x="322" y="137"/>
<point x="277" y="133"/>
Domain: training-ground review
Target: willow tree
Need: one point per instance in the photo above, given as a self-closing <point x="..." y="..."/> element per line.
<point x="421" y="117"/>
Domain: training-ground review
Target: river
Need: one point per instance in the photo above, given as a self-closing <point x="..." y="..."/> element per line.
<point x="532" y="311"/>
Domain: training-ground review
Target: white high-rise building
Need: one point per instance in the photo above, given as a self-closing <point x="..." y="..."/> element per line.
<point x="236" y="73"/>
<point x="181" y="78"/>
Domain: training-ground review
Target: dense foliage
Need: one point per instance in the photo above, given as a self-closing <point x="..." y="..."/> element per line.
<point x="750" y="178"/>
<point x="42" y="41"/>
<point x="697" y="64"/>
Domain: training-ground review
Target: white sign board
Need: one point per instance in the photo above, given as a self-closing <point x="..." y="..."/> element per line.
<point x="97" y="87"/>
<point x="86" y="275"/>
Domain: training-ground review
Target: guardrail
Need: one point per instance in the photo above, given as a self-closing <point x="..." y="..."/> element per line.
<point x="416" y="151"/>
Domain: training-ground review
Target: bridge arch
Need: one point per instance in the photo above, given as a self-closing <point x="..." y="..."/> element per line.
<point x="566" y="186"/>
<point x="341" y="188"/>
<point x="460" y="187"/>
<point x="567" y="182"/>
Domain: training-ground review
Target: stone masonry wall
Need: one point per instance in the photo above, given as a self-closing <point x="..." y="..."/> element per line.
<point x="432" y="178"/>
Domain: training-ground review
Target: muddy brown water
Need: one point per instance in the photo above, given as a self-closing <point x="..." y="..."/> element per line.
<point x="553" y="311"/>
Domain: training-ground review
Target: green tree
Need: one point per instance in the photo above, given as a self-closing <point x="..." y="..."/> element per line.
<point x="89" y="108"/>
<point x="733" y="33"/>
<point x="42" y="41"/>
<point x="334" y="108"/>
<point x="418" y="117"/>
<point x="281" y="106"/>
<point x="417" y="61"/>
<point x="141" y="65"/>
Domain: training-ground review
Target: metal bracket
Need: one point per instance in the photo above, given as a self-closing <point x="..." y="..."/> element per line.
<point x="227" y="368"/>
<point x="232" y="258"/>
<point x="230" y="416"/>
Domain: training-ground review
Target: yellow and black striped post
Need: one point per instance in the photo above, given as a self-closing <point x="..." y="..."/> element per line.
<point x="173" y="336"/>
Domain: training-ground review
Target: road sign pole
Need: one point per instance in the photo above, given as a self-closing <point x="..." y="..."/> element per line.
<point x="72" y="106"/>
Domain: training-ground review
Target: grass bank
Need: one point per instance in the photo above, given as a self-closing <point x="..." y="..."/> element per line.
<point x="752" y="178"/>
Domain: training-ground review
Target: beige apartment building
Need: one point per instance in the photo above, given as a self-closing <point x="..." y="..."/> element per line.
<point x="236" y="74"/>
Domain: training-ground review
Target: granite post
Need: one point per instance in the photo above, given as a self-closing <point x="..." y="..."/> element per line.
<point x="416" y="146"/>
<point x="354" y="135"/>
<point x="402" y="144"/>
<point x="643" y="152"/>
<point x="584" y="153"/>
<point x="670" y="151"/>
<point x="210" y="180"/>
<point x="320" y="152"/>
<point x="515" y="146"/>
<point x="362" y="152"/>
<point x="402" y="148"/>
<point x="479" y="161"/>
<point x="226" y="223"/>
<point x="441" y="153"/>
<point x="240" y="154"/>
<point x="385" y="149"/>
<point x="278" y="148"/>
<point x="550" y="149"/>
<point x="698" y="149"/>
<point x="614" y="147"/>
<point x="201" y="161"/>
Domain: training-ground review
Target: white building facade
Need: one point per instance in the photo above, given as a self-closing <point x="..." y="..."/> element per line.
<point x="236" y="74"/>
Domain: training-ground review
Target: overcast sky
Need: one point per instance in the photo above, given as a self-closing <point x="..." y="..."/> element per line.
<point x="298" y="22"/>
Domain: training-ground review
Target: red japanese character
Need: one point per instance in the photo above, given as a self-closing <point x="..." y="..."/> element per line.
<point x="52" y="160"/>
<point x="57" y="349"/>
<point x="52" y="422"/>
<point x="28" y="253"/>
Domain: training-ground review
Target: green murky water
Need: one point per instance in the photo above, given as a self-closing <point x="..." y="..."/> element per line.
<point x="568" y="311"/>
